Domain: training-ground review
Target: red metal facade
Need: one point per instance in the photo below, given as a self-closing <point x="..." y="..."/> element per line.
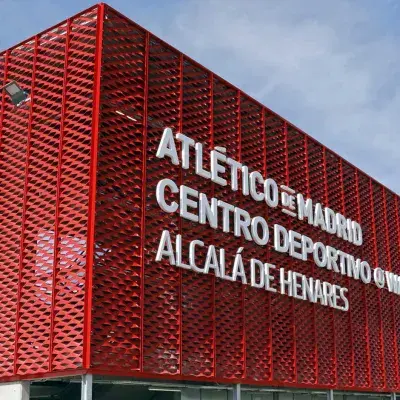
<point x="45" y="154"/>
<point x="80" y="225"/>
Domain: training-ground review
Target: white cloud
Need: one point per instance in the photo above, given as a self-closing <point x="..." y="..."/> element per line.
<point x="325" y="66"/>
<point x="330" y="67"/>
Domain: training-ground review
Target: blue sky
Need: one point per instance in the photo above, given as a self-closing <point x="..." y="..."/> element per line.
<point x="330" y="67"/>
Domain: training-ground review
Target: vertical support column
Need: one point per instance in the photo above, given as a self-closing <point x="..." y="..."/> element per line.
<point x="86" y="387"/>
<point x="214" y="297"/>
<point x="236" y="392"/>
<point x="329" y="395"/>
<point x="181" y="178"/>
<point x="144" y="186"/>
<point x="314" y="317"/>
<point x="243" y="288"/>
<point x="326" y="199"/>
<point x="270" y="353"/>
<point x="92" y="188"/>
<point x="290" y="263"/>
<point x="393" y="396"/>
<point x="15" y="391"/>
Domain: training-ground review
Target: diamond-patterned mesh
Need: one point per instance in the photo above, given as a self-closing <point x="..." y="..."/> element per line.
<point x="161" y="320"/>
<point x="304" y="312"/>
<point x="324" y="316"/>
<point x="385" y="299"/>
<point x="229" y="302"/>
<point x="74" y="193"/>
<point x="119" y="199"/>
<point x="357" y="290"/>
<point x="282" y="307"/>
<point x="44" y="185"/>
<point x="373" y="295"/>
<point x="342" y="321"/>
<point x="162" y="282"/>
<point x="197" y="291"/>
<point x="12" y="181"/>
<point x="257" y="312"/>
<point x="117" y="86"/>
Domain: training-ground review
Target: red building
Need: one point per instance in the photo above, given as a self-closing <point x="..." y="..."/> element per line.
<point x="83" y="290"/>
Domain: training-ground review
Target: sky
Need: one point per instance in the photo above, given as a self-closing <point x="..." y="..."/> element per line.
<point x="329" y="67"/>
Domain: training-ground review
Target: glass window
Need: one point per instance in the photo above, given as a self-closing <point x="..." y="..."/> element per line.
<point x="207" y="394"/>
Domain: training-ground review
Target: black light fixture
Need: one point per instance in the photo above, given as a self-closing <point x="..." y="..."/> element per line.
<point x="17" y="95"/>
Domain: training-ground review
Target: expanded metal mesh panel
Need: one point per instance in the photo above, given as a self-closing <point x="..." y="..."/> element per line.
<point x="74" y="194"/>
<point x="386" y="298"/>
<point x="257" y="311"/>
<point x="389" y="304"/>
<point x="358" y="324"/>
<point x="392" y="231"/>
<point x="198" y="295"/>
<point x="229" y="305"/>
<point x="282" y="307"/>
<point x="118" y="229"/>
<point x="373" y="294"/>
<point x="342" y="321"/>
<point x="44" y="185"/>
<point x="105" y="92"/>
<point x="153" y="318"/>
<point x="13" y="159"/>
<point x="162" y="309"/>
<point x="304" y="313"/>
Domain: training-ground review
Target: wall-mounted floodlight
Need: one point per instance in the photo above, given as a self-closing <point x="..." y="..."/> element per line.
<point x="17" y="95"/>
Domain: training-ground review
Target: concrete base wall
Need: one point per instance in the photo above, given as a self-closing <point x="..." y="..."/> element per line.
<point x="14" y="391"/>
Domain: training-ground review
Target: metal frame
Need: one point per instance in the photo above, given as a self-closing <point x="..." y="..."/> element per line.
<point x="92" y="186"/>
<point x="236" y="392"/>
<point x="149" y="86"/>
<point x="24" y="62"/>
<point x="87" y="387"/>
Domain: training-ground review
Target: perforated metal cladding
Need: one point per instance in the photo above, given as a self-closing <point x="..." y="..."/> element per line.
<point x="359" y="326"/>
<point x="304" y="314"/>
<point x="198" y="295"/>
<point x="229" y="297"/>
<point x="257" y="318"/>
<point x="44" y="184"/>
<point x="117" y="307"/>
<point x="151" y="319"/>
<point x="156" y="320"/>
<point x="342" y="321"/>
